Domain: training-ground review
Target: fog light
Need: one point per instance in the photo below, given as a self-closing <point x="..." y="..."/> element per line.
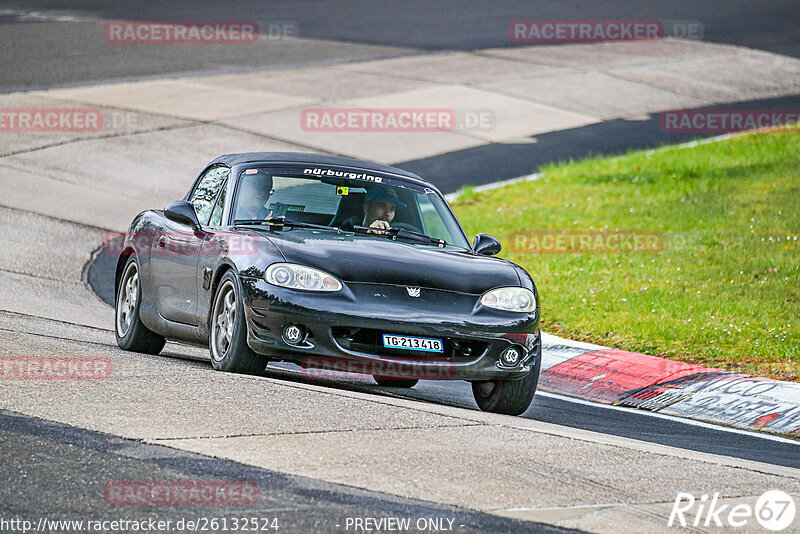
<point x="511" y="356"/>
<point x="462" y="347"/>
<point x="293" y="334"/>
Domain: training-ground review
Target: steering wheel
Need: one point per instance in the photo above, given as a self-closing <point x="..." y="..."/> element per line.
<point x="407" y="226"/>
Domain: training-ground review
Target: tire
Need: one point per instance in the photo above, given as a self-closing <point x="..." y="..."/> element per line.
<point x="227" y="341"/>
<point x="388" y="381"/>
<point x="510" y="397"/>
<point x="129" y="330"/>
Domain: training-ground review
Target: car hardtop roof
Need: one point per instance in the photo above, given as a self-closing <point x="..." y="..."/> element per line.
<point x="316" y="159"/>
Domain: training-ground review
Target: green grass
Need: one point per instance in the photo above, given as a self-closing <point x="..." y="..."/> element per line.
<point x="725" y="289"/>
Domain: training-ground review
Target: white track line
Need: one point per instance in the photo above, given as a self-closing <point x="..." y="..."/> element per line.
<point x="674" y="418"/>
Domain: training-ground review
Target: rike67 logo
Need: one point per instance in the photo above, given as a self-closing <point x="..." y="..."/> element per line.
<point x="774" y="510"/>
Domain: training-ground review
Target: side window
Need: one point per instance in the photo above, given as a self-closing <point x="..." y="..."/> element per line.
<point x="432" y="219"/>
<point x="206" y="191"/>
<point x="216" y="214"/>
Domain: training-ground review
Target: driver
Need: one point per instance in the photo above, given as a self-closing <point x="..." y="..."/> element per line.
<point x="253" y="196"/>
<point x="379" y="206"/>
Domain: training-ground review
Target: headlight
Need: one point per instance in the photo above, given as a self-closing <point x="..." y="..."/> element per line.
<point x="516" y="299"/>
<point x="301" y="277"/>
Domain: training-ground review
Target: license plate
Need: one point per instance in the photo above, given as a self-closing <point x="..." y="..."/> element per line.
<point x="412" y="343"/>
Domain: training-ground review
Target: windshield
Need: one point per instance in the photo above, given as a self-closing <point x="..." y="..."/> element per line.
<point x="344" y="202"/>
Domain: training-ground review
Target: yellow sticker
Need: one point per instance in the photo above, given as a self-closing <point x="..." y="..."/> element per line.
<point x="342" y="191"/>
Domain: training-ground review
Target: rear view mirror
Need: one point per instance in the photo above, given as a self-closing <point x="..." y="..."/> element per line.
<point x="182" y="212"/>
<point x="486" y="245"/>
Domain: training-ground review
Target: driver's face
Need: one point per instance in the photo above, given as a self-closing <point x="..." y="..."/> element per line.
<point x="379" y="209"/>
<point x="255" y="201"/>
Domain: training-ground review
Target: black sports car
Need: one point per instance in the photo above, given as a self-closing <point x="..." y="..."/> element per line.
<point x="329" y="263"/>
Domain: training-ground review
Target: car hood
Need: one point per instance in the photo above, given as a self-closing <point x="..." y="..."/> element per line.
<point x="366" y="259"/>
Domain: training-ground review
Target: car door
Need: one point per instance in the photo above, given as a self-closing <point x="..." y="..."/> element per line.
<point x="215" y="246"/>
<point x="176" y="249"/>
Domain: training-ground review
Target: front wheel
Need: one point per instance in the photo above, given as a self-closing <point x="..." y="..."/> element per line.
<point x="130" y="332"/>
<point x="510" y="397"/>
<point x="228" y="341"/>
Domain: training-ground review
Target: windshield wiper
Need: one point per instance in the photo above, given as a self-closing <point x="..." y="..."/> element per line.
<point x="279" y="222"/>
<point x="396" y="232"/>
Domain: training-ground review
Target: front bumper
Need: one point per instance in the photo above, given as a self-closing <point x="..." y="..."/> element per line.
<point x="343" y="331"/>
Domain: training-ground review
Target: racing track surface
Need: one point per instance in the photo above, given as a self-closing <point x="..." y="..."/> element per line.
<point x="347" y="30"/>
<point x="298" y="504"/>
<point x="307" y="443"/>
<point x="353" y="433"/>
<point x="556" y="409"/>
<point x="332" y="33"/>
<point x="616" y="421"/>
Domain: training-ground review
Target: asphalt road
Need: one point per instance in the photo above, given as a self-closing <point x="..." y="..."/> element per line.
<point x="37" y="453"/>
<point x="616" y="421"/>
<point x="560" y="410"/>
<point x="504" y="161"/>
<point x="48" y="43"/>
<point x="630" y="423"/>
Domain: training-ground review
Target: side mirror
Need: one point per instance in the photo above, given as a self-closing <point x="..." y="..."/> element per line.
<point x="182" y="212"/>
<point x="486" y="245"/>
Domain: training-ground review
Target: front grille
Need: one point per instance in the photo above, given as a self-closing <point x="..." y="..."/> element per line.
<point x="370" y="341"/>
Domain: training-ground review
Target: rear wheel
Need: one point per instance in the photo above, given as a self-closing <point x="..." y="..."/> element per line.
<point x="228" y="341"/>
<point x="130" y="332"/>
<point x="389" y="381"/>
<point x="510" y="397"/>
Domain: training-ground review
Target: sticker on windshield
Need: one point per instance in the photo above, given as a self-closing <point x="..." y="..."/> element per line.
<point x="251" y="171"/>
<point x="344" y="174"/>
<point x="342" y="191"/>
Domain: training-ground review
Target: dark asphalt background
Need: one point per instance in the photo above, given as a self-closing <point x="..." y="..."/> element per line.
<point x="419" y="26"/>
<point x="502" y="161"/>
<point x="626" y="422"/>
<point x="629" y="423"/>
<point x="54" y="53"/>
<point x="60" y="472"/>
<point x="48" y="43"/>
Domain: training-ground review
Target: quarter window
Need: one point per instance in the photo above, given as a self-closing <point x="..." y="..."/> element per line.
<point x="216" y="214"/>
<point x="206" y="191"/>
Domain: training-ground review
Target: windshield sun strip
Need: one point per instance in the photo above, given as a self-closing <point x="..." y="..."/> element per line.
<point x="387" y="179"/>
